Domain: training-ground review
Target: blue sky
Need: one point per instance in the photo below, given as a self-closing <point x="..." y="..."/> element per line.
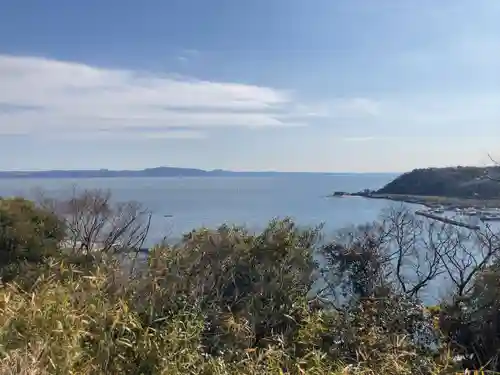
<point x="290" y="85"/>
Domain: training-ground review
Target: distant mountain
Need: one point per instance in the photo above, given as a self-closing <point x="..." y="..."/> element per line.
<point x="149" y="172"/>
<point x="100" y="173"/>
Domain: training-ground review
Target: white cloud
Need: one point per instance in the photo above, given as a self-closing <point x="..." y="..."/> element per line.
<point x="43" y="97"/>
<point x="48" y="98"/>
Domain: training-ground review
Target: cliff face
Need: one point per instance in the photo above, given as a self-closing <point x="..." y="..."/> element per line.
<point x="461" y="182"/>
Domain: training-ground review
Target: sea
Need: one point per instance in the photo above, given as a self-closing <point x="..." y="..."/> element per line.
<point x="180" y="204"/>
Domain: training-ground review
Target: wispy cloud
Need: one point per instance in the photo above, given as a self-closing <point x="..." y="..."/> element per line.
<point x="187" y="55"/>
<point x="416" y="115"/>
<point x="348" y="108"/>
<point x="148" y="134"/>
<point x="359" y="139"/>
<point x="49" y="98"/>
<point x="45" y="97"/>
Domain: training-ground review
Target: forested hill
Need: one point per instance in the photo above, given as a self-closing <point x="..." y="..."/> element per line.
<point x="462" y="182"/>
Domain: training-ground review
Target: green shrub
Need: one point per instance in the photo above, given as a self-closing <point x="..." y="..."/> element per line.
<point x="27" y="233"/>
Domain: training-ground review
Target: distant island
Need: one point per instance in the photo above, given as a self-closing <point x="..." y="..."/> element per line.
<point x="148" y="172"/>
<point x="101" y="173"/>
<point x="451" y="187"/>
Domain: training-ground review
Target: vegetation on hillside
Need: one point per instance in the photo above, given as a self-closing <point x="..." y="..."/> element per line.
<point x="460" y="182"/>
<point x="228" y="301"/>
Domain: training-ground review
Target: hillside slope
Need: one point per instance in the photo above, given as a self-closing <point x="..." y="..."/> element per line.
<point x="460" y="182"/>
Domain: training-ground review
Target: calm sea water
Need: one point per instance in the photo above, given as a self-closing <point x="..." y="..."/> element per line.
<point x="211" y="201"/>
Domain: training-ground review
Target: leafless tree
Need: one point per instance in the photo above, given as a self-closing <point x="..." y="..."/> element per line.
<point x="413" y="246"/>
<point x="468" y="254"/>
<point x="393" y="251"/>
<point x="94" y="222"/>
<point x="406" y="253"/>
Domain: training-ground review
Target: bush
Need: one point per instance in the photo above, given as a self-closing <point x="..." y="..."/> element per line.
<point x="27" y="233"/>
<point x="238" y="278"/>
<point x="471" y="324"/>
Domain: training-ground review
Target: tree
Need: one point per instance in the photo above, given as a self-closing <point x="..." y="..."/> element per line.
<point x="95" y="223"/>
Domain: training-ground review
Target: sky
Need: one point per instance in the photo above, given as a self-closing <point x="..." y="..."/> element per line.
<point x="288" y="85"/>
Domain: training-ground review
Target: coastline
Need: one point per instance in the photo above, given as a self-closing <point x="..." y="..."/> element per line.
<point x="448" y="203"/>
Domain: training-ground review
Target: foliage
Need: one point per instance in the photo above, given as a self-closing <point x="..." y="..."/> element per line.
<point x="28" y="233"/>
<point x="229" y="301"/>
<point x="69" y="322"/>
<point x="472" y="323"/>
<point x="258" y="280"/>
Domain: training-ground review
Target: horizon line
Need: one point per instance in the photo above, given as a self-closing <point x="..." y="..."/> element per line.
<point x="191" y="169"/>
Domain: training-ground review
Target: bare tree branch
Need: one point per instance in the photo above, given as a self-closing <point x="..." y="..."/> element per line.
<point x="95" y="223"/>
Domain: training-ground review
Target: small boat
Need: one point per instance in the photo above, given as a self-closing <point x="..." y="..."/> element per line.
<point x="436" y="210"/>
<point x="470" y="211"/>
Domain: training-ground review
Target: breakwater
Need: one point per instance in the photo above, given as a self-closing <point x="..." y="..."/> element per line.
<point x="448" y="220"/>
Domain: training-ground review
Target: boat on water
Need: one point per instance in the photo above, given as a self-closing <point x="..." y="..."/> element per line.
<point x="470" y="211"/>
<point x="436" y="210"/>
<point x="490" y="215"/>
